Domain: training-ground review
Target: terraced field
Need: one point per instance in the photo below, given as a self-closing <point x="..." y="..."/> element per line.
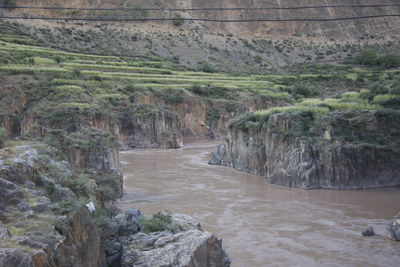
<point x="105" y="75"/>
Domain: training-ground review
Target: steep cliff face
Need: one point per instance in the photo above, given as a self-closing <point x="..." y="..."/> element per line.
<point x="147" y="126"/>
<point x="88" y="140"/>
<point x="335" y="154"/>
<point x="149" y="122"/>
<point x="342" y="30"/>
<point x="144" y="124"/>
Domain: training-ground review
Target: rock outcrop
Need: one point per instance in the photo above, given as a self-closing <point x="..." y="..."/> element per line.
<point x="33" y="193"/>
<point x="146" y="126"/>
<point x="219" y="157"/>
<point x="184" y="244"/>
<point x="300" y="150"/>
<point x="393" y="229"/>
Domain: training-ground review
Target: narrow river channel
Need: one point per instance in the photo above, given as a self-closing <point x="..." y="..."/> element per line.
<point x="262" y="224"/>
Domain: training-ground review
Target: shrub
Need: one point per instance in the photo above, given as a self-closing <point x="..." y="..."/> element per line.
<point x="65" y="206"/>
<point x="3" y="137"/>
<point x="200" y="90"/>
<point x="61" y="227"/>
<point x="367" y="57"/>
<point x="102" y="219"/>
<point x="387" y="101"/>
<point x="389" y="61"/>
<point x="79" y="185"/>
<point x="178" y="21"/>
<point x="301" y="90"/>
<point x="158" y="222"/>
<point x="8" y="3"/>
<point x="108" y="187"/>
<point x="204" y="66"/>
<point x="212" y="115"/>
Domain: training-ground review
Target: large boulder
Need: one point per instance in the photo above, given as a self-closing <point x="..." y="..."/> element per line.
<point x="188" y="248"/>
<point x="187" y="245"/>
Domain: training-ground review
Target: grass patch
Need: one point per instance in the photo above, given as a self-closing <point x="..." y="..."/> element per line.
<point x="158" y="222"/>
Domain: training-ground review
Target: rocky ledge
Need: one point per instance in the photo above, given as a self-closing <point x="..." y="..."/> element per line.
<point x="339" y="150"/>
<point x="162" y="240"/>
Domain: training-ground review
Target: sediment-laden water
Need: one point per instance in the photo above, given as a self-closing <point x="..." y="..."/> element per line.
<point x="262" y="224"/>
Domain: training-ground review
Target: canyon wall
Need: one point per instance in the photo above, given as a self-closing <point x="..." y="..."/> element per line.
<point x="337" y="154"/>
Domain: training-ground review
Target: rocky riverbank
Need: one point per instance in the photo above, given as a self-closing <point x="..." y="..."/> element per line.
<point x="51" y="214"/>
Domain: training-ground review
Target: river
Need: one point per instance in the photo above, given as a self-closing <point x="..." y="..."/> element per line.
<point x="262" y="224"/>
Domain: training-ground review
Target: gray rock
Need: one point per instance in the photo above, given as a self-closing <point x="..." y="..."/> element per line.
<point x="288" y="156"/>
<point x="9" y="194"/>
<point x="42" y="205"/>
<point x="369" y="231"/>
<point x="112" y="230"/>
<point x="29" y="185"/>
<point x="29" y="214"/>
<point x="190" y="246"/>
<point x="10" y="257"/>
<point x="220" y="157"/>
<point x="4" y="233"/>
<point x="18" y="172"/>
<point x="117" y="246"/>
<point x="132" y="215"/>
<point x="23" y="206"/>
<point x="393" y="229"/>
<point x="114" y="260"/>
<point x="182" y="222"/>
<point x="128" y="225"/>
<point x="61" y="193"/>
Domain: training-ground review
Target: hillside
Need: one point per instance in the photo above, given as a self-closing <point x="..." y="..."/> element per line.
<point x="348" y="30"/>
<point x="243" y="47"/>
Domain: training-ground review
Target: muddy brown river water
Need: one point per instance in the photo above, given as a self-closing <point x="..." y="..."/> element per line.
<point x="262" y="224"/>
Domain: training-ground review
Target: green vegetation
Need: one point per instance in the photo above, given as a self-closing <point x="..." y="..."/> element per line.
<point x="108" y="187"/>
<point x="311" y="116"/>
<point x="65" y="206"/>
<point x="158" y="222"/>
<point x="3" y="137"/>
<point x="178" y="21"/>
<point x="370" y="57"/>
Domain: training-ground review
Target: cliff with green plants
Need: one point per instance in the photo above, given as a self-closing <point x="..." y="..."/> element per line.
<point x="349" y="142"/>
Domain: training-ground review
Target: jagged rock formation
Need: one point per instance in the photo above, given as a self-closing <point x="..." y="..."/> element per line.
<point x="335" y="153"/>
<point x="184" y="244"/>
<point x="393" y="229"/>
<point x="30" y="187"/>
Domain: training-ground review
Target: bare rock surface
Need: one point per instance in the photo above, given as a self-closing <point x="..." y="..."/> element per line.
<point x="323" y="158"/>
<point x="393" y="229"/>
<point x="183" y="244"/>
